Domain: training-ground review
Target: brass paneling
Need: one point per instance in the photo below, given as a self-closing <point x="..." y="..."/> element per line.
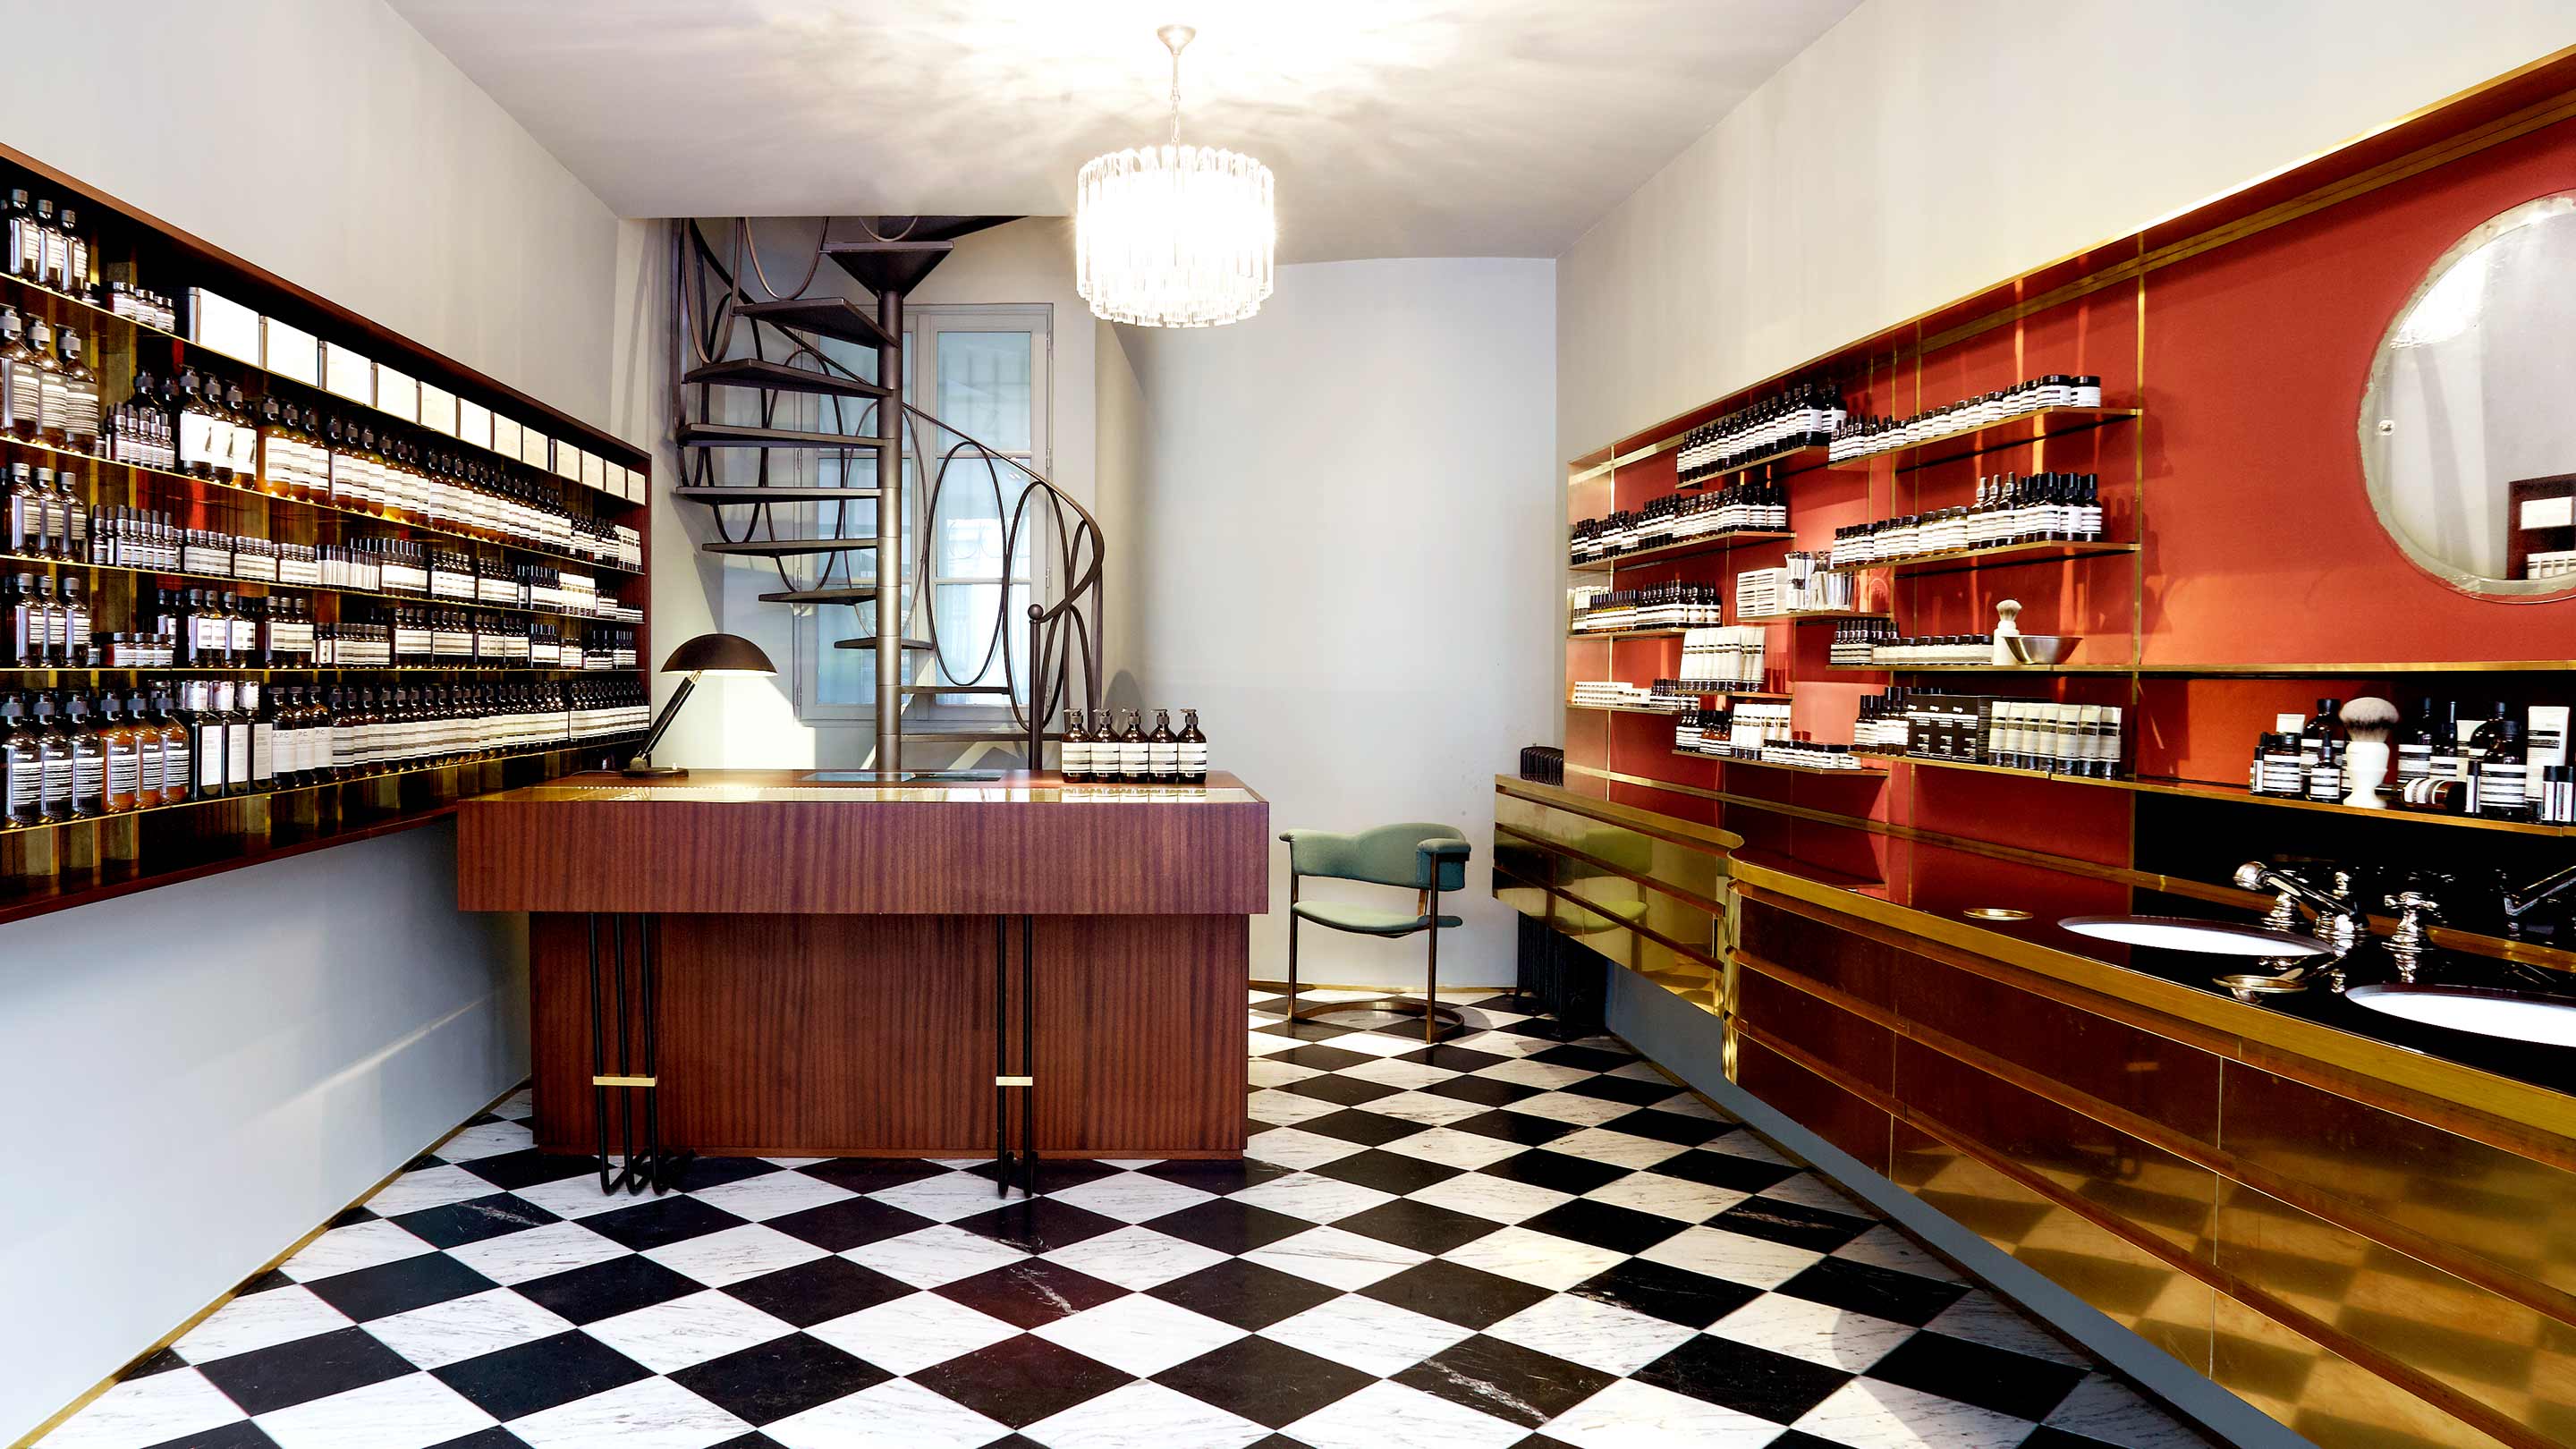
<point x="1854" y="1046"/>
<point x="1831" y="1111"/>
<point x="2329" y="1398"/>
<point x="1849" y="963"/>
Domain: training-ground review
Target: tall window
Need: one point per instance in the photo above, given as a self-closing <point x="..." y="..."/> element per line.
<point x="982" y="370"/>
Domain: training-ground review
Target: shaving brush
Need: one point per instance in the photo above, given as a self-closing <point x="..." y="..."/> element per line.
<point x="2368" y="726"/>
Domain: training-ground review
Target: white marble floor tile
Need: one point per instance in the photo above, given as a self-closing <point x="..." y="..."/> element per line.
<point x="428" y="1188"/>
<point x="1595" y="1335"/>
<point x="1142" y="1414"/>
<point x="1641" y="1071"/>
<point x="1336" y="1258"/>
<point x="1633" y="1415"/>
<point x="537" y="1253"/>
<point x="1288" y="1147"/>
<point x="1667" y="1197"/>
<point x="1742" y="1143"/>
<point x="487" y="1139"/>
<point x="1817" y="1332"/>
<point x="1619" y="1149"/>
<point x="1570" y="1107"/>
<point x="1454" y="1148"/>
<point x="1285" y="1109"/>
<point x="2106" y="1409"/>
<point x="1362" y="1333"/>
<point x="1390" y="1073"/>
<point x="1533" y="1074"/>
<point x="1139" y="1334"/>
<point x="735" y="1254"/>
<point x="519" y="1106"/>
<point x="772" y="1195"/>
<point x="440" y="1334"/>
<point x="1496" y="1199"/>
<point x="928" y="1257"/>
<point x="1280" y="1074"/>
<point x="1316" y="1198"/>
<point x="260" y="1320"/>
<point x="668" y="1337"/>
<point x="1428" y="1108"/>
<point x="1867" y="1414"/>
<point x="1135" y="1258"/>
<point x="646" y="1414"/>
<point x="346" y="1250"/>
<point x="1691" y="1104"/>
<point x="1131" y="1197"/>
<point x="146" y="1411"/>
<point x="412" y="1412"/>
<point x="1753" y="1262"/>
<point x="1543" y="1259"/>
<point x="907" y="1335"/>
<point x="1391" y="1043"/>
<point x="943" y="1199"/>
<point x="1809" y="1190"/>
<point x="1981" y="1318"/>
<point x="1885" y="1247"/>
<point x="1263" y="1044"/>
<point x="576" y="1197"/>
<point x="1388" y="1413"/>
<point x="1502" y="1044"/>
<point x="896" y="1414"/>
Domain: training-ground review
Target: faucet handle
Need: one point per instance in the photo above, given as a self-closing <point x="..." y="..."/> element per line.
<point x="2415" y="903"/>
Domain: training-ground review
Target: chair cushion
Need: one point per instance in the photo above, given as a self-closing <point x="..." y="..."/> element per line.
<point x="1367" y="920"/>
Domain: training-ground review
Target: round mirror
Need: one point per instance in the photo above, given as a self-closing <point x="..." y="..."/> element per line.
<point x="2467" y="442"/>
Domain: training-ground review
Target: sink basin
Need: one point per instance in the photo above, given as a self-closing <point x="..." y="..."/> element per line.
<point x="2182" y="933"/>
<point x="2519" y="1015"/>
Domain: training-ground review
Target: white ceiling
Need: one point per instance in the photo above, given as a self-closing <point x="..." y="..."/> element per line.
<point x="1396" y="127"/>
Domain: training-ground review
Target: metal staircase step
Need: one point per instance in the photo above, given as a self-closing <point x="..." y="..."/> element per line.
<point x="737" y="435"/>
<point x="779" y="377"/>
<point x="827" y="316"/>
<point x="888" y="266"/>
<point x="957" y="689"/>
<point x="836" y="594"/>
<point x="718" y="497"/>
<point x="871" y="643"/>
<point x="788" y="547"/>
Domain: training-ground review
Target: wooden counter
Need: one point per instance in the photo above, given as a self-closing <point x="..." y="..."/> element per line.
<point x="826" y="954"/>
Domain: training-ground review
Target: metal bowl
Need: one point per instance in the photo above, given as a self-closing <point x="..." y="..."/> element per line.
<point x="2041" y="648"/>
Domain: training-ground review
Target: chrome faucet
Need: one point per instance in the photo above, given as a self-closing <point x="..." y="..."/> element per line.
<point x="2339" y="918"/>
<point x="2411" y="940"/>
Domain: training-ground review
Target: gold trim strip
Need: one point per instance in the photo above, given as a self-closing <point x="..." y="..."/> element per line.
<point x="1695" y="953"/>
<point x="1015" y="1081"/>
<point x="624" y="1081"/>
<point x="1688" y="833"/>
<point x="1692" y="899"/>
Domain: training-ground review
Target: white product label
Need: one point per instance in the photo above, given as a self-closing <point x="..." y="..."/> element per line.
<point x="237" y="752"/>
<point x="1163" y="759"/>
<point x="1193" y="759"/>
<point x="210" y="754"/>
<point x="263" y="752"/>
<point x="1134" y="757"/>
<point x="2549" y="512"/>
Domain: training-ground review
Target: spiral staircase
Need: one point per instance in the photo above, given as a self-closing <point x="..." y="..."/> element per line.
<point x="749" y="355"/>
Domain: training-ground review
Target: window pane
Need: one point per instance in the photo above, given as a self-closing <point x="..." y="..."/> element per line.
<point x="984" y="386"/>
<point x="966" y="620"/>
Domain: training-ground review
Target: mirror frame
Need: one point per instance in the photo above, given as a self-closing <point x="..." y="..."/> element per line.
<point x="2366" y="430"/>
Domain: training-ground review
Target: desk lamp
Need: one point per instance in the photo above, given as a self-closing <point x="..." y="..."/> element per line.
<point x="706" y="654"/>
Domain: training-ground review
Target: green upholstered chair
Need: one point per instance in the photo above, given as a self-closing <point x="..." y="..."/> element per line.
<point x="1426" y="859"/>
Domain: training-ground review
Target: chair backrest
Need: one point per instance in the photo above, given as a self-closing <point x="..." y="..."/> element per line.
<point x="1389" y="855"/>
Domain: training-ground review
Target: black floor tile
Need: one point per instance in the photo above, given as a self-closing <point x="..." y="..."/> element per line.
<point x="1583" y="1058"/>
<point x="1359" y="1124"/>
<point x="495" y="1437"/>
<point x="1322" y="1058"/>
<point x="1557" y="1171"/>
<point x="1675" y="1295"/>
<point x="1247" y="1295"/>
<point x="758" y="1440"/>
<point x="474" y="1220"/>
<point x="1387" y="1171"/>
<point x="1801" y="1439"/>
<point x="2045" y="1437"/>
<point x="1505" y="1380"/>
<point x="351" y="1217"/>
<point x="812" y="1293"/>
<point x="1726" y="1170"/>
<point x="1975" y="1373"/>
<point x="267" y="1379"/>
<point x="837" y="1227"/>
<point x="604" y="1290"/>
<point x="528" y="1167"/>
<point x="1266" y="1382"/>
<point x="1492" y="1091"/>
<point x="1039" y="1225"/>
<point x="161" y="1362"/>
<point x="1879" y="1292"/>
<point x="1305" y="1030"/>
<point x="1454" y="1058"/>
<point x="1217" y="1175"/>
<point x="767" y="1382"/>
<point x="707" y="1172"/>
<point x="1417" y="1225"/>
<point x="1604" y="1225"/>
<point x="1467" y="1297"/>
<point x="262" y="1282"/>
<point x="1021" y="1380"/>
<point x="1675" y="1127"/>
<point x="1630" y="1090"/>
<point x="1055" y="1174"/>
<point x="1526" y="1128"/>
<point x="1030" y="1293"/>
<point x="1744" y="1378"/>
<point x="1229" y="1226"/>
<point x="872" y="1174"/>
<point x="1345" y="1091"/>
<point x="661" y="1222"/>
<point x="528" y="1377"/>
<point x="1796" y="1224"/>
<point x="399" y="1286"/>
<point x="242" y="1435"/>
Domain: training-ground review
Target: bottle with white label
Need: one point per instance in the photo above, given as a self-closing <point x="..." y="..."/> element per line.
<point x="1193" y="750"/>
<point x="1135" y="755"/>
<point x="1075" y="761"/>
<point x="1163" y="750"/>
<point x="54" y="760"/>
<point x="22" y="767"/>
<point x="89" y="757"/>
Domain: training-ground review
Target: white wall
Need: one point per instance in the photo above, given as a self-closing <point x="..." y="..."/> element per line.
<point x="1920" y="151"/>
<point x="201" y="1073"/>
<point x="1347" y="500"/>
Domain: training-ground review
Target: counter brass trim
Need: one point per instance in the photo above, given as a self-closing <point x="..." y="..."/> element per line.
<point x="625" y="1081"/>
<point x="1700" y="954"/>
<point x="1645" y="822"/>
<point x="1015" y="1081"/>
<point x="1654" y="883"/>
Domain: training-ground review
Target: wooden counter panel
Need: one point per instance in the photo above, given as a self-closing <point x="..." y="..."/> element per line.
<point x="835" y="1036"/>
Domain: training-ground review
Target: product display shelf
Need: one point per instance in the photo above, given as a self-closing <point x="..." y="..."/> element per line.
<point x="1687" y="548"/>
<point x="1959" y="559"/>
<point x="1632" y="633"/>
<point x="262" y="671"/>
<point x="1784" y="462"/>
<point x="1862" y="772"/>
<point x="1622" y="709"/>
<point x="2239" y="794"/>
<point x="11" y="562"/>
<point x="167" y="477"/>
<point x="1982" y="668"/>
<point x="26" y="296"/>
<point x="2235" y="671"/>
<point x="2018" y="432"/>
<point x="1795" y="616"/>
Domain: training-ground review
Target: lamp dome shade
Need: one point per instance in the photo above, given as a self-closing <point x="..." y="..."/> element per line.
<point x="718" y="654"/>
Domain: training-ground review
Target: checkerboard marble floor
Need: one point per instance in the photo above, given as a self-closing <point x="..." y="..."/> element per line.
<point x="1500" y="1241"/>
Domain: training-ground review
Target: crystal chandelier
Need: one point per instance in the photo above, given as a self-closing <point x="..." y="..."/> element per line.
<point x="1173" y="235"/>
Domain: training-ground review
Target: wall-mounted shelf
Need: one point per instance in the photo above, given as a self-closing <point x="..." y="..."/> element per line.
<point x="2232" y="671"/>
<point x="1957" y="559"/>
<point x="2019" y="432"/>
<point x="1624" y="709"/>
<point x="1863" y="772"/>
<point x="1800" y="616"/>
<point x="1803" y="458"/>
<point x="11" y="562"/>
<point x="2238" y="794"/>
<point x="1686" y="548"/>
<point x="1633" y="633"/>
